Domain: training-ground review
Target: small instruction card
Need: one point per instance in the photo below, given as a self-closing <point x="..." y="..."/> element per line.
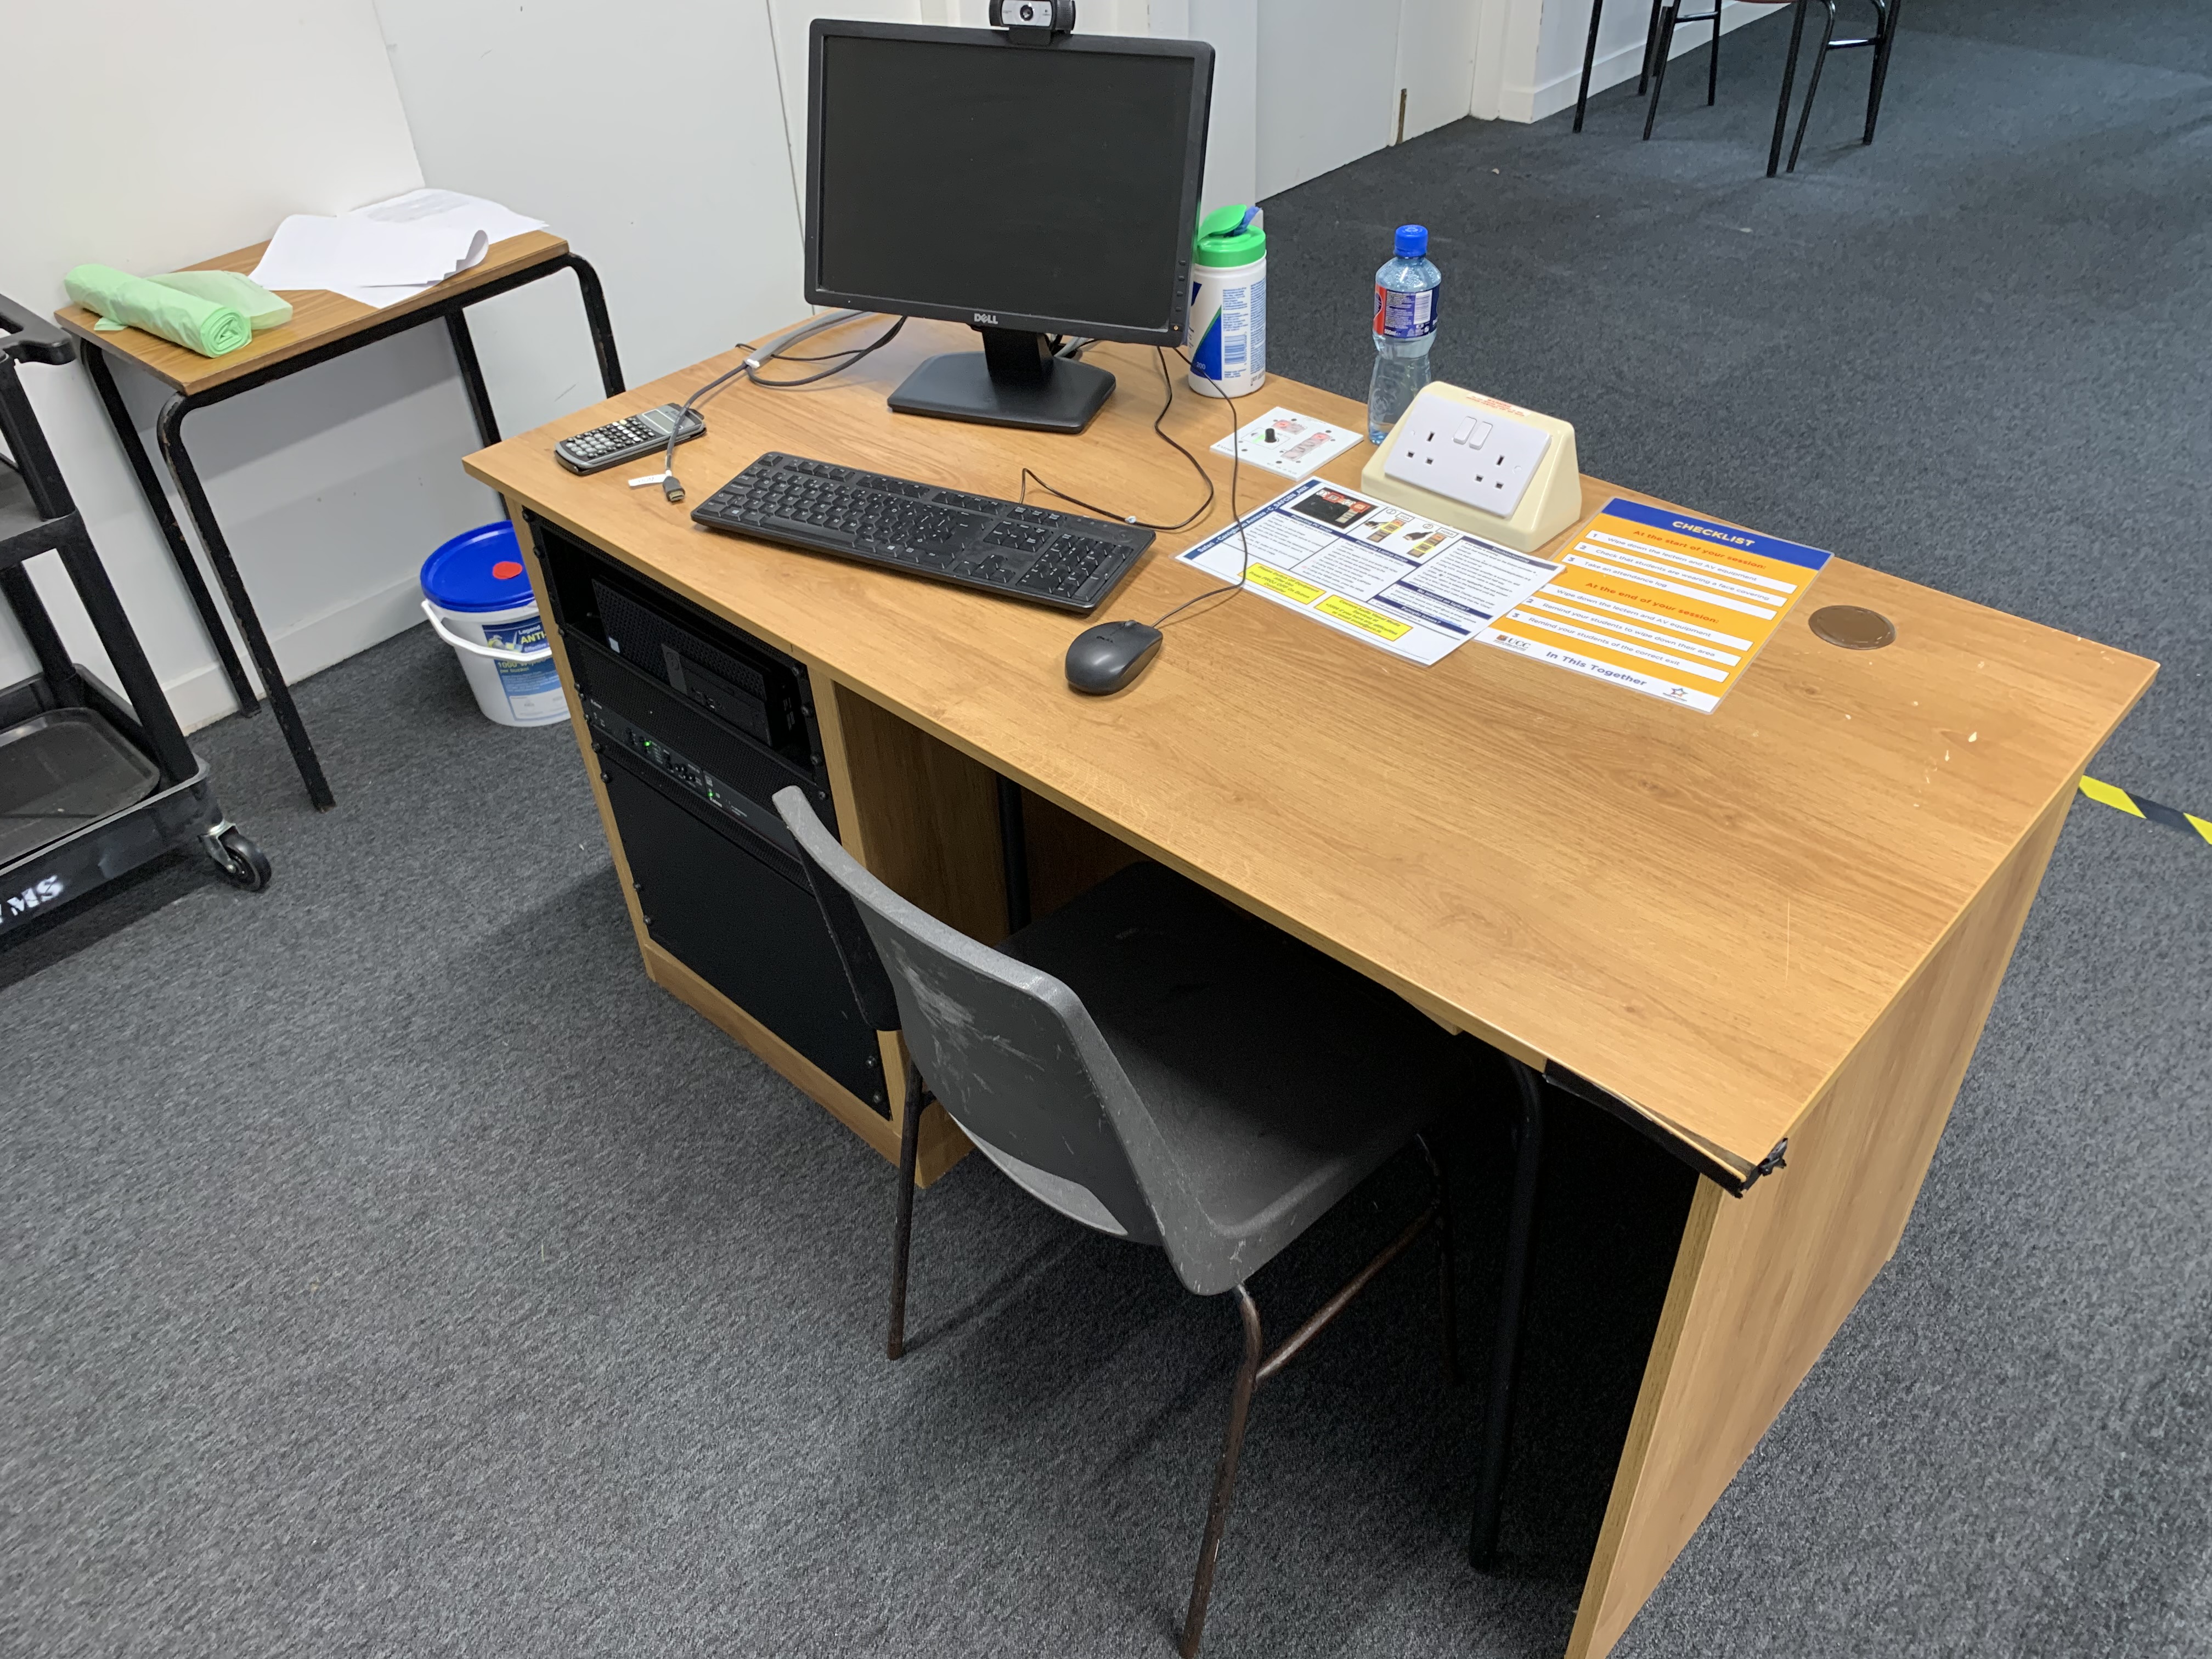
<point x="1378" y="572"/>
<point x="1285" y="441"/>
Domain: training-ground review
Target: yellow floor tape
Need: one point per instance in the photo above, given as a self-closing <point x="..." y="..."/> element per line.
<point x="2120" y="801"/>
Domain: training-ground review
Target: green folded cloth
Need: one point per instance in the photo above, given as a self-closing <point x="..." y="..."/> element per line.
<point x="209" y="325"/>
<point x="260" y="308"/>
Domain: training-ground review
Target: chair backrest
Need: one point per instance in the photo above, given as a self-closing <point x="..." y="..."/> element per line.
<point x="1011" y="1054"/>
<point x="856" y="951"/>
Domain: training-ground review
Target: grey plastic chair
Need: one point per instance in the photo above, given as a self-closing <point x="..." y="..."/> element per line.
<point x="1160" y="1066"/>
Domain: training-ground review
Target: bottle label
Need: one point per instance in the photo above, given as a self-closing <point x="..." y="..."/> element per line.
<point x="1404" y="316"/>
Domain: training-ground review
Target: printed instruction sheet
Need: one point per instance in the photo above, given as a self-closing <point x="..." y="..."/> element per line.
<point x="1283" y="440"/>
<point x="1416" y="589"/>
<point x="1661" y="603"/>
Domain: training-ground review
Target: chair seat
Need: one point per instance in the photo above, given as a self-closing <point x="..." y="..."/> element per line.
<point x="1277" y="1078"/>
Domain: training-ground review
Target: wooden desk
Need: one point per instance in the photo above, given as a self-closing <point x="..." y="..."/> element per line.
<point x="324" y="325"/>
<point x="1786" y="920"/>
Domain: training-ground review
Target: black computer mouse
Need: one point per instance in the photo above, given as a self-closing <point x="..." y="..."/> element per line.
<point x="1107" y="657"/>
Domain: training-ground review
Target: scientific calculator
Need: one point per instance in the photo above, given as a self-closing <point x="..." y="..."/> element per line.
<point x="635" y="439"/>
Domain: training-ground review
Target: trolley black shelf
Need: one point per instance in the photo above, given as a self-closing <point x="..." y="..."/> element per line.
<point x="95" y="783"/>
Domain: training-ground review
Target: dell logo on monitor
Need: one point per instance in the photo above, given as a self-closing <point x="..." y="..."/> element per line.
<point x="989" y="319"/>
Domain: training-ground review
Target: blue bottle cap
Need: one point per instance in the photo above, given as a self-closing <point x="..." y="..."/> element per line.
<point x="1413" y="241"/>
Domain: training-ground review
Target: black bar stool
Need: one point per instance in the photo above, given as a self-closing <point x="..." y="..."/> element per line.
<point x="1885" y="34"/>
<point x="1668" y="15"/>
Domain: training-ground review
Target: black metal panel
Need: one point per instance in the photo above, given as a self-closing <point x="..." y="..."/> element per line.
<point x="736" y="910"/>
<point x="675" y="719"/>
<point x="717" y="666"/>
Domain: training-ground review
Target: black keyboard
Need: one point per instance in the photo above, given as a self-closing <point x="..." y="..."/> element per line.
<point x="1060" y="559"/>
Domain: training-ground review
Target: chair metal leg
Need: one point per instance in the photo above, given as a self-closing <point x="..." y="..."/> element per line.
<point x="1885" y="35"/>
<point x="1504" y="1355"/>
<point x="1660" y="52"/>
<point x="1713" y="63"/>
<point x="1788" y="78"/>
<point x="1255" y="1369"/>
<point x="1224" y="1478"/>
<point x="1813" y="84"/>
<point x="1589" y="56"/>
<point x="1447" y="1285"/>
<point x="917" y="1099"/>
<point x="1650" y="35"/>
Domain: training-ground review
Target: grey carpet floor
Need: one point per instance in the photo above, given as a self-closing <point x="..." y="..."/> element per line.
<point x="389" y="1270"/>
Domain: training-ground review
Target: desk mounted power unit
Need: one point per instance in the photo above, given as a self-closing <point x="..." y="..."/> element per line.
<point x="1499" y="472"/>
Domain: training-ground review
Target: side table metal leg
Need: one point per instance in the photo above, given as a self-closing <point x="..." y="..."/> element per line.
<point x="603" y="330"/>
<point x="241" y="603"/>
<point x="472" y="380"/>
<point x="180" y="552"/>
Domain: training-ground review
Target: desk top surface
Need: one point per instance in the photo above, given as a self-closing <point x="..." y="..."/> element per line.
<point x="1702" y="914"/>
<point x="319" y="317"/>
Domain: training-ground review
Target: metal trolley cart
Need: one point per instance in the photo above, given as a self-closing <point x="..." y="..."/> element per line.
<point x="92" y="786"/>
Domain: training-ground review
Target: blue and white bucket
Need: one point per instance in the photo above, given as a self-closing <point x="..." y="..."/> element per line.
<point x="478" y="599"/>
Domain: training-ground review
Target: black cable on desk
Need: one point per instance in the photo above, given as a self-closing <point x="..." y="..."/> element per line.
<point x="672" y="487"/>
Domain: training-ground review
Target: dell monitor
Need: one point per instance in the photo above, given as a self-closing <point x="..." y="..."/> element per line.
<point x="1028" y="189"/>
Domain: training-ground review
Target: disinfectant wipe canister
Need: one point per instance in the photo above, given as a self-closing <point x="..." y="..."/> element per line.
<point x="1229" y="303"/>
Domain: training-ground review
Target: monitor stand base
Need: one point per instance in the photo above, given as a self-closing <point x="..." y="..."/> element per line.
<point x="1014" y="381"/>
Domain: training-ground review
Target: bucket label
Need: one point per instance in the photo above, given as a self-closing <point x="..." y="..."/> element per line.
<point x="1404" y="316"/>
<point x="533" y="689"/>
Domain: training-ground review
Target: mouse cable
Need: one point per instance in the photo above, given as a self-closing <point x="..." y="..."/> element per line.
<point x="1236" y="462"/>
<point x="671" y="486"/>
<point x="1198" y="466"/>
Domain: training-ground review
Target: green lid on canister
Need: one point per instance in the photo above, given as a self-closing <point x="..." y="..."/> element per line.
<point x="1230" y="236"/>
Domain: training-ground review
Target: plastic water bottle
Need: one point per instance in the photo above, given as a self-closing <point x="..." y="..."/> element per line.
<point x="1405" y="328"/>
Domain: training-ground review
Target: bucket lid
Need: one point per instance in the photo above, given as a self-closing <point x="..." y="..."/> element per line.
<point x="1230" y="236"/>
<point x="479" y="569"/>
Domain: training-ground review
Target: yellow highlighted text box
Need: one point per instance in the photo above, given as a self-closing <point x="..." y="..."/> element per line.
<point x="1373" y="622"/>
<point x="1277" y="582"/>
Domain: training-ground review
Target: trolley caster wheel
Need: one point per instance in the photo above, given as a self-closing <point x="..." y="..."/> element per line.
<point x="242" y="863"/>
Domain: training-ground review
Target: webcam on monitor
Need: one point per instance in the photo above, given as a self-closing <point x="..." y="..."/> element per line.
<point x="1034" y="22"/>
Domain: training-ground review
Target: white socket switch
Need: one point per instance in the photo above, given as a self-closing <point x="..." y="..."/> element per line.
<point x="1482" y="458"/>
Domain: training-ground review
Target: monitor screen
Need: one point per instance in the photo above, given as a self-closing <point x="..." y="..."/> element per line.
<point x="952" y="175"/>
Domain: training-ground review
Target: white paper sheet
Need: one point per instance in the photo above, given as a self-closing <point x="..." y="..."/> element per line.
<point x="388" y="251"/>
<point x="1375" y="572"/>
<point x="311" y="251"/>
<point x="446" y="209"/>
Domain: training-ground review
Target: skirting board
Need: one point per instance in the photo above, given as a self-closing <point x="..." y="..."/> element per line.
<point x="346" y="629"/>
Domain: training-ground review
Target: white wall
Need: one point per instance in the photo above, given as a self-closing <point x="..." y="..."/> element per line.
<point x="331" y="485"/>
<point x="655" y="145"/>
<point x="1340" y="79"/>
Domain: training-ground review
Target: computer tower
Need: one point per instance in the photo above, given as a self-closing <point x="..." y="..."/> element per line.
<point x="695" y="726"/>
